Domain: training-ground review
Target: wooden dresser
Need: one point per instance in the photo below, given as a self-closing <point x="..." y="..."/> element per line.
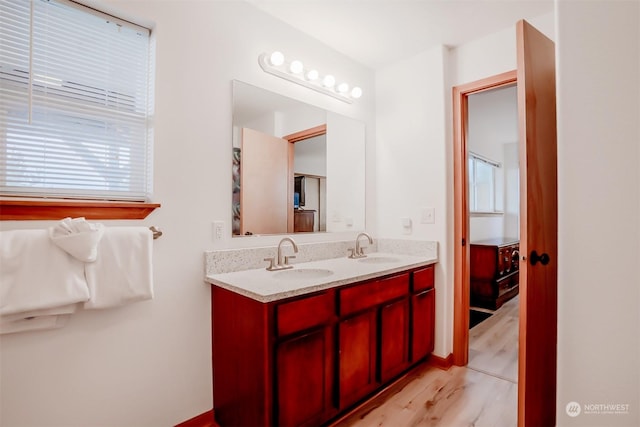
<point x="494" y="272"/>
<point x="303" y="220"/>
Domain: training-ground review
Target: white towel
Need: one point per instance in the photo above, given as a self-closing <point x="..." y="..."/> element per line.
<point x="122" y="273"/>
<point x="49" y="318"/>
<point x="36" y="274"/>
<point x="34" y="324"/>
<point x="77" y="237"/>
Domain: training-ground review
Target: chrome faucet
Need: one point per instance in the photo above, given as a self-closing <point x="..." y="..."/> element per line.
<point x="280" y="263"/>
<point x="358" y="252"/>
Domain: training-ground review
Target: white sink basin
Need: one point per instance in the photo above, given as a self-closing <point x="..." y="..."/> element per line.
<point x="302" y="273"/>
<point x="379" y="260"/>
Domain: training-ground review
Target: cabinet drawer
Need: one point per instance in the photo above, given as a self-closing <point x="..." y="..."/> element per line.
<point x="370" y="294"/>
<point x="304" y="313"/>
<point x="423" y="279"/>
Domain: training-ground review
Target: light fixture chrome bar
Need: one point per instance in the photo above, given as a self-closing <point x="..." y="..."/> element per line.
<point x="281" y="72"/>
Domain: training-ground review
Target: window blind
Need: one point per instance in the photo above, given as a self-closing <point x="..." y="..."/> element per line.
<point x="75" y="103"/>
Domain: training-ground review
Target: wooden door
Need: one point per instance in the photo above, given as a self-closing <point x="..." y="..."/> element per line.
<point x="538" y="228"/>
<point x="394" y="339"/>
<point x="266" y="184"/>
<point x="357" y="357"/>
<point x="304" y="377"/>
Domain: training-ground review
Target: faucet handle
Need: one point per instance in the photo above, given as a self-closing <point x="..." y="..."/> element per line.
<point x="271" y="266"/>
<point x="287" y="258"/>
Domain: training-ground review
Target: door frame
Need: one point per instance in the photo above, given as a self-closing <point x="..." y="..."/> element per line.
<point x="302" y="135"/>
<point x="461" y="285"/>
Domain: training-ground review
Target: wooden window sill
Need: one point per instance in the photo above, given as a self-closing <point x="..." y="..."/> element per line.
<point x="21" y="210"/>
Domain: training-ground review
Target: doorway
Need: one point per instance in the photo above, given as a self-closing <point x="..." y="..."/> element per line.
<point x="538" y="263"/>
<point x="462" y="290"/>
<point x="493" y="217"/>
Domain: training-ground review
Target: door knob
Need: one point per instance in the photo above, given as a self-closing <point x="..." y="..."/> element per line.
<point x="543" y="258"/>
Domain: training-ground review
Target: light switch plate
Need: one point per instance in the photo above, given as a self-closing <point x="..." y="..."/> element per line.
<point x="428" y="216"/>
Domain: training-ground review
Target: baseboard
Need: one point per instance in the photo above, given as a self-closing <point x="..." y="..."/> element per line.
<point x="203" y="420"/>
<point x="443" y="363"/>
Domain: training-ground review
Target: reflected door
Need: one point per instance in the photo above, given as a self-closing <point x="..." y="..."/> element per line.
<point x="266" y="181"/>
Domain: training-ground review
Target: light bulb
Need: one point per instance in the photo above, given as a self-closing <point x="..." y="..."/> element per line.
<point x="356" y="92"/>
<point x="312" y="75"/>
<point x="296" y="67"/>
<point x="343" y="88"/>
<point x="328" y="81"/>
<point x="276" y="59"/>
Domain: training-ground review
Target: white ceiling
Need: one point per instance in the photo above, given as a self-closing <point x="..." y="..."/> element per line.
<point x="379" y="32"/>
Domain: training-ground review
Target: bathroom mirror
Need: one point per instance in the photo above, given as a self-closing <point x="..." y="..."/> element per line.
<point x="296" y="168"/>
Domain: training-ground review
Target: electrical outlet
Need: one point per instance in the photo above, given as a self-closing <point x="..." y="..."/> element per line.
<point x="218" y="229"/>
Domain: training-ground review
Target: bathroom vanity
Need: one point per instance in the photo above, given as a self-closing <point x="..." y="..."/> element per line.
<point x="301" y="346"/>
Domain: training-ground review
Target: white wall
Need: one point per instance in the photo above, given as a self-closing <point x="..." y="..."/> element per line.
<point x="412" y="164"/>
<point x="493" y="54"/>
<point x="598" y="62"/>
<point x="310" y="156"/>
<point x="149" y="363"/>
<point x="345" y="179"/>
<point x="492" y="130"/>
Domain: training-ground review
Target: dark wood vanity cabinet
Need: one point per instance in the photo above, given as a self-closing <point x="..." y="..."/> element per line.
<point x="494" y="272"/>
<point x="357" y="357"/>
<point x="373" y="335"/>
<point x="423" y="309"/>
<point x="304" y="360"/>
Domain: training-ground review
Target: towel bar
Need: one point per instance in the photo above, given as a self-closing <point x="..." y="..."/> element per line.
<point x="156" y="233"/>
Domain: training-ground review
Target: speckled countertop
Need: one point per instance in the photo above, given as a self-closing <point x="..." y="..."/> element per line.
<point x="307" y="277"/>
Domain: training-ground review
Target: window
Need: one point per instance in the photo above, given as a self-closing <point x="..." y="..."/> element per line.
<point x="75" y="103"/>
<point x="482" y="184"/>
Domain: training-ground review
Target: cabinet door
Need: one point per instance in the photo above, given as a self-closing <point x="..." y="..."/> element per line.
<point x="423" y="322"/>
<point x="304" y="379"/>
<point x="357" y="357"/>
<point x="394" y="339"/>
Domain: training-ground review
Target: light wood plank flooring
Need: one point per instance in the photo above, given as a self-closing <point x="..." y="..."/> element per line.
<point x="493" y="344"/>
<point x="483" y="395"/>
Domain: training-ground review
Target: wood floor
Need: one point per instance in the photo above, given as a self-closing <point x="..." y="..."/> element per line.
<point x="493" y="344"/>
<point x="484" y="393"/>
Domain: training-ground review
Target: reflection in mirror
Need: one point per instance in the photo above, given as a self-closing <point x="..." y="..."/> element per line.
<point x="296" y="168"/>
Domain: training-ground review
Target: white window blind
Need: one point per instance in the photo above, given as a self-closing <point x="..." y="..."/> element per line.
<point x="482" y="186"/>
<point x="75" y="103"/>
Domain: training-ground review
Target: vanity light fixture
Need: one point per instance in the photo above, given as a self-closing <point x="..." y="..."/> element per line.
<point x="296" y="67"/>
<point x="295" y="71"/>
<point x="312" y="75"/>
<point x="343" y="88"/>
<point x="328" y="81"/>
<point x="276" y="59"/>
